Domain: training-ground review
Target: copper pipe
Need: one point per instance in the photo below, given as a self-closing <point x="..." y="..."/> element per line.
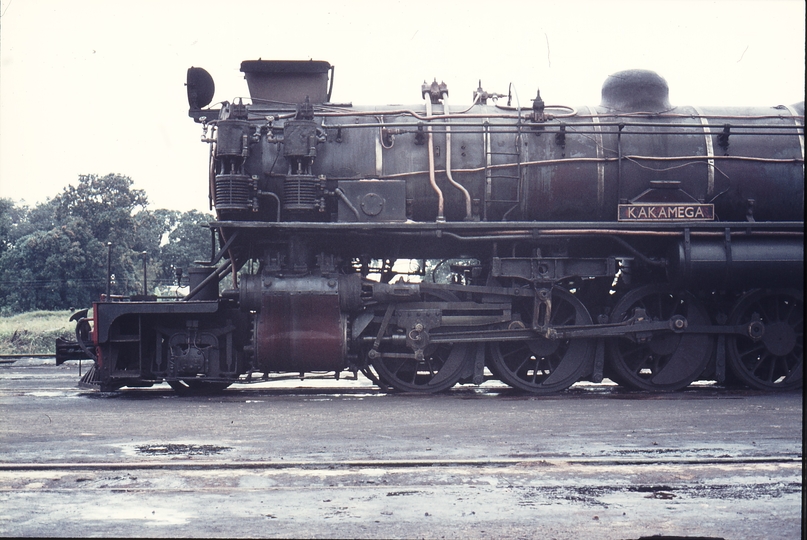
<point x="468" y="210"/>
<point x="432" y="179"/>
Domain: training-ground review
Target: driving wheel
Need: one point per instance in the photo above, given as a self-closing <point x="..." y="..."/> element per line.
<point x="542" y="365"/>
<point x="773" y="360"/>
<point x="659" y="361"/>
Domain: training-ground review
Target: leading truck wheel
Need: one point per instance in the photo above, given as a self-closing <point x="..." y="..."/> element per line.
<point x="541" y="365"/>
<point x="771" y="355"/>
<point x="662" y="361"/>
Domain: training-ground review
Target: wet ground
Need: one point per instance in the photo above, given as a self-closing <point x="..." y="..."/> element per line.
<point x="341" y="459"/>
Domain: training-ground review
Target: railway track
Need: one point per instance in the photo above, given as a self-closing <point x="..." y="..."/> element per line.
<point x="319" y="458"/>
<point x="175" y="465"/>
<point x="600" y="498"/>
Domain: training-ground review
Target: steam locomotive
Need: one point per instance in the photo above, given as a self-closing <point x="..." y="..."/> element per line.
<point x="433" y="245"/>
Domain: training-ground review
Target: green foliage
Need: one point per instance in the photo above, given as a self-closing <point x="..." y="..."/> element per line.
<point x="189" y="241"/>
<point x="57" y="268"/>
<point x="106" y="204"/>
<point x="6" y="223"/>
<point x="11" y="218"/>
<point x="54" y="256"/>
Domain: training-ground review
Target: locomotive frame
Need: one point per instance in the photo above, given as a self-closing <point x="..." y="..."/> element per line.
<point x="651" y="244"/>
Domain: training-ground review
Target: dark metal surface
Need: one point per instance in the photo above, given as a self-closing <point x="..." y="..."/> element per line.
<point x="773" y="357"/>
<point x="419" y="243"/>
<point x="544" y="365"/>
<point x="738" y="262"/>
<point x="666" y="361"/>
<point x="200" y="88"/>
<point x="300" y="330"/>
<point x="287" y="81"/>
<point x="373" y="200"/>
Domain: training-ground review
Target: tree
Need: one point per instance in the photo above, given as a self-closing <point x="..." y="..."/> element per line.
<point x="152" y="228"/>
<point x="55" y="269"/>
<point x="10" y="217"/>
<point x="40" y="218"/>
<point x="54" y="255"/>
<point x="107" y="205"/>
<point x="189" y="241"/>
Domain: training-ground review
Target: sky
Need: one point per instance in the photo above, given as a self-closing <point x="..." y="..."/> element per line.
<point x="97" y="86"/>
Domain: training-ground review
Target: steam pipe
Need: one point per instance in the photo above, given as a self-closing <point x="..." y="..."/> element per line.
<point x="341" y="195"/>
<point x="468" y="211"/>
<point x="217" y="274"/>
<point x="432" y="179"/>
<point x="211" y="167"/>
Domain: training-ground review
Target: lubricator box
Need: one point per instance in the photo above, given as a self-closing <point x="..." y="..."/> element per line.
<point x="372" y="200"/>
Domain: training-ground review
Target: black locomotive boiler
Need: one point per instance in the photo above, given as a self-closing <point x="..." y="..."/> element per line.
<point x="437" y="244"/>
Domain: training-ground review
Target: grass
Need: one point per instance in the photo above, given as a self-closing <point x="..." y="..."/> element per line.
<point x="34" y="332"/>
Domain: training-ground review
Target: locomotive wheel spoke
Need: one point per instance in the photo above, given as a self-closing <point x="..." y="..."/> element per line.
<point x="663" y="361"/>
<point x="774" y="361"/>
<point x="441" y="367"/>
<point x="544" y="366"/>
